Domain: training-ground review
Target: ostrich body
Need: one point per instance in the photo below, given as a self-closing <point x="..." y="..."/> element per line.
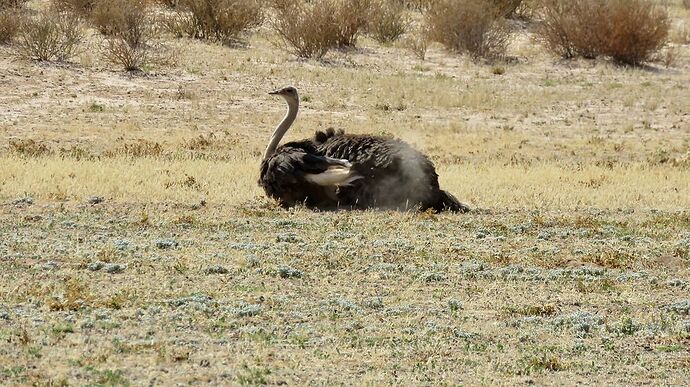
<point x="337" y="170"/>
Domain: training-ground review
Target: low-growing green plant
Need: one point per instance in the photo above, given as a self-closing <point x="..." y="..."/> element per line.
<point x="50" y="35"/>
<point x="475" y="27"/>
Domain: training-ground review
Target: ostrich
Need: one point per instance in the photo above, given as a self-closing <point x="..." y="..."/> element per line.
<point x="337" y="170"/>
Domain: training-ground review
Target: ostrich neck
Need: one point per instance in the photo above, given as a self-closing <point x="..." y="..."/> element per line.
<point x="281" y="129"/>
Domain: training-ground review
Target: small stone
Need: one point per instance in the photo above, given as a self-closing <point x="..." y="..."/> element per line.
<point x="121" y="244"/>
<point x="50" y="265"/>
<point x="216" y="269"/>
<point x="4" y="316"/>
<point x="165" y="244"/>
<point x="680" y="307"/>
<point x="95" y="200"/>
<point x="114" y="268"/>
<point x="95" y="266"/>
<point x="25" y="201"/>
<point x="288" y="272"/>
<point x="248" y="310"/>
<point x="676" y="283"/>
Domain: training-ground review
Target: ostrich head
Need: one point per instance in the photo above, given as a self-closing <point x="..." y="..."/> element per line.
<point x="289" y="93"/>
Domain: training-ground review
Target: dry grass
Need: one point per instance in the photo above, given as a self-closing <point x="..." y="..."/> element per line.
<point x="469" y="26"/>
<point x="137" y="172"/>
<point x="630" y="32"/>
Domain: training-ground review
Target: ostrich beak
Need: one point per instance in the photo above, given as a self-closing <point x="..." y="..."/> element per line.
<point x="274" y="92"/>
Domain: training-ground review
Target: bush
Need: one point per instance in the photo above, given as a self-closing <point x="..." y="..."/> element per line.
<point x="507" y="7"/>
<point x="305" y="29"/>
<point x="628" y="31"/>
<point x="637" y="29"/>
<point x="80" y="7"/>
<point x="50" y="35"/>
<point x="222" y="20"/>
<point x="387" y="21"/>
<point x="418" y="42"/>
<point x="351" y="16"/>
<point x="10" y="20"/>
<point x="11" y="4"/>
<point x="475" y="27"/>
<point x="11" y="14"/>
<point x="128" y="29"/>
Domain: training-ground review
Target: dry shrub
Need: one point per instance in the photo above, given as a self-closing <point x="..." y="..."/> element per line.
<point x="305" y="29"/>
<point x="128" y="29"/>
<point x="388" y="21"/>
<point x="29" y="147"/>
<point x="125" y="18"/>
<point x="507" y="8"/>
<point x="417" y="5"/>
<point x="11" y="4"/>
<point x="629" y="31"/>
<point x="475" y="27"/>
<point x="637" y="30"/>
<point x="79" y="7"/>
<point x="169" y="3"/>
<point x="222" y="20"/>
<point x="351" y="16"/>
<point x="50" y="35"/>
<point x="10" y="21"/>
<point x="139" y="148"/>
<point x="418" y="42"/>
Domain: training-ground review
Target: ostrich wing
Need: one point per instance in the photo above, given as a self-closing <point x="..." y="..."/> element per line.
<point x="292" y="165"/>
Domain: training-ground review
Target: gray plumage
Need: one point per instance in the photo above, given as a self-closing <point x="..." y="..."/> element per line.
<point x="337" y="170"/>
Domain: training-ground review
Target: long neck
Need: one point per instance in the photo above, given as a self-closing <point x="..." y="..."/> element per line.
<point x="282" y="128"/>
